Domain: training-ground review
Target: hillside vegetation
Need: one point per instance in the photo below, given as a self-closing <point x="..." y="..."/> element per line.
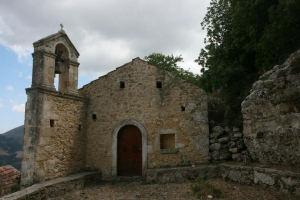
<point x="245" y="38"/>
<point x="11" y="144"/>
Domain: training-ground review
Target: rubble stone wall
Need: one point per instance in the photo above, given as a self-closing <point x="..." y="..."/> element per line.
<point x="54" y="188"/>
<point x="54" y="144"/>
<point x="272" y="115"/>
<point x="178" y="108"/>
<point x="277" y="179"/>
<point x="227" y="144"/>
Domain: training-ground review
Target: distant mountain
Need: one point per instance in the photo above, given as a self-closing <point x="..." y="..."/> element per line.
<point x="11" y="144"/>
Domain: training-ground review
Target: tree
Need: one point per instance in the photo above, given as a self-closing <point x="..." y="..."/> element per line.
<point x="169" y="63"/>
<point x="244" y="39"/>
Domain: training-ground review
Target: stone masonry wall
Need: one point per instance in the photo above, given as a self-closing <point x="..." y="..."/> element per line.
<point x="54" y="188"/>
<point x="159" y="110"/>
<point x="284" y="180"/>
<point x="54" y="144"/>
<point x="226" y="144"/>
<point x="272" y="115"/>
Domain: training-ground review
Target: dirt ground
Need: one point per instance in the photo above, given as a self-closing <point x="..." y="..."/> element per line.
<point x="174" y="191"/>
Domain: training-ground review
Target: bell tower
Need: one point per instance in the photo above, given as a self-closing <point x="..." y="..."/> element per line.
<point x="52" y="116"/>
<point x="53" y="55"/>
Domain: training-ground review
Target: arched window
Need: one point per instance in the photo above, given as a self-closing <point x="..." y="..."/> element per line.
<point x="61" y="68"/>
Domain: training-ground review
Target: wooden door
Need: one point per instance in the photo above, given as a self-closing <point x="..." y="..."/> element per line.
<point x="129" y="151"/>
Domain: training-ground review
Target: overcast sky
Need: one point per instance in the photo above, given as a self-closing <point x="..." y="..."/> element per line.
<point x="107" y="34"/>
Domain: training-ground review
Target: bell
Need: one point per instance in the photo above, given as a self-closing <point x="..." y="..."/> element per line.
<point x="57" y="68"/>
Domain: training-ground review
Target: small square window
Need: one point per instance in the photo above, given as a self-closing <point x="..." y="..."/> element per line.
<point x="158" y="84"/>
<point x="122" y="84"/>
<point x="79" y="127"/>
<point x="94" y="116"/>
<point x="51" y="122"/>
<point x="167" y="141"/>
<point x="182" y="108"/>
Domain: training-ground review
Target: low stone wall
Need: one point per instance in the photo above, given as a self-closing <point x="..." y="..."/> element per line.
<point x="283" y="180"/>
<point x="227" y="144"/>
<point x="56" y="187"/>
<point x="181" y="174"/>
<point x="277" y="179"/>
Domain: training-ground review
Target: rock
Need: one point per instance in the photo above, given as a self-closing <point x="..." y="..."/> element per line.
<point x="271" y="115"/>
<point x="263" y="178"/>
<point x="238" y="135"/>
<point x="191" y="106"/>
<point x="240" y="144"/>
<point x="237" y="157"/>
<point x="234" y="175"/>
<point x="215" y="147"/>
<point x="233" y="150"/>
<point x="246" y="159"/>
<point x="245" y="152"/>
<point x="213" y="141"/>
<point x="227" y="130"/>
<point x="215" y="155"/>
<point x="217" y="131"/>
<point x="231" y="144"/>
<point x="223" y="140"/>
<point x="234" y="129"/>
<point x="224" y="155"/>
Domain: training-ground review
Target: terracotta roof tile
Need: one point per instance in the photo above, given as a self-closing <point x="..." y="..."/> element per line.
<point x="8" y="177"/>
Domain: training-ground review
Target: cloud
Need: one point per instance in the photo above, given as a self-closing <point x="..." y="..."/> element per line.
<point x="28" y="77"/>
<point x="19" y="108"/>
<point x="107" y="34"/>
<point x="1" y="105"/>
<point x="10" y="88"/>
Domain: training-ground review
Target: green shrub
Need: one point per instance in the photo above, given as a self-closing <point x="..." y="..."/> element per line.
<point x="202" y="188"/>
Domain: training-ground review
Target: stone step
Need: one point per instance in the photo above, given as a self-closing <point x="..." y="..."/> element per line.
<point x="129" y="179"/>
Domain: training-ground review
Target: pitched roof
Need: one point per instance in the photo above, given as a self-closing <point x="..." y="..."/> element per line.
<point x="8" y="177"/>
<point x="60" y="33"/>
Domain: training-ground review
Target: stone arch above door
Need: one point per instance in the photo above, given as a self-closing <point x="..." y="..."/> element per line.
<point x="115" y="141"/>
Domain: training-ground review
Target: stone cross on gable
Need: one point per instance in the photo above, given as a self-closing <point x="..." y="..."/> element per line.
<point x="61" y="27"/>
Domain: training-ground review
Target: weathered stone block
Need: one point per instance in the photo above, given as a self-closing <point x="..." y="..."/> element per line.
<point x="224" y="140"/>
<point x="234" y="175"/>
<point x="238" y="135"/>
<point x="263" y="178"/>
<point x="215" y="147"/>
<point x="233" y="150"/>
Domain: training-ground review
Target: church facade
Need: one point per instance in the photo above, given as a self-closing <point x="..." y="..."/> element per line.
<point x="136" y="117"/>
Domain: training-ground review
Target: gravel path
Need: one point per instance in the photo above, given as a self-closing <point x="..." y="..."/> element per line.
<point x="174" y="191"/>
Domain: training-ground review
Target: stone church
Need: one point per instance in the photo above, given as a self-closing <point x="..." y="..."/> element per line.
<point x="135" y="118"/>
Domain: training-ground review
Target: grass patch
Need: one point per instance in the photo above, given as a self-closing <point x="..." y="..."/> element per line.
<point x="202" y="189"/>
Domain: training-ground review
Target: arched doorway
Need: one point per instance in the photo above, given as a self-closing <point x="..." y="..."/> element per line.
<point x="114" y="147"/>
<point x="129" y="151"/>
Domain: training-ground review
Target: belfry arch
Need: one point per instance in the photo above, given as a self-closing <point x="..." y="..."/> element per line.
<point x="61" y="69"/>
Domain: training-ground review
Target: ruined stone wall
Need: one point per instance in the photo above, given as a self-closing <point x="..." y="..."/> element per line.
<point x="54" y="139"/>
<point x="158" y="110"/>
<point x="272" y="115"/>
<point x="227" y="144"/>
